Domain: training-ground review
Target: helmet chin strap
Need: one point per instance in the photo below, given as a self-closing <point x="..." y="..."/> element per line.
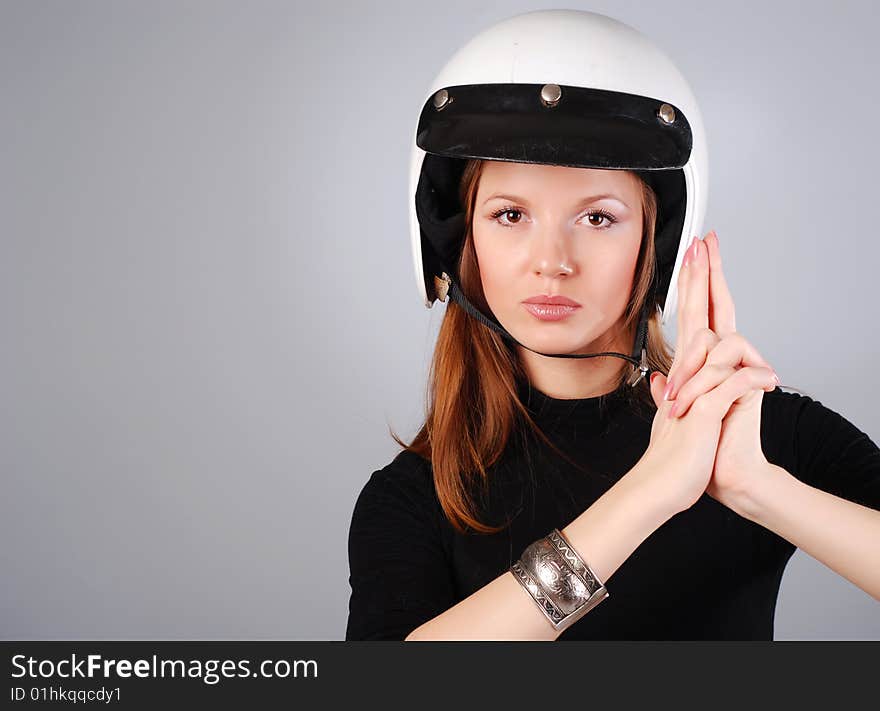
<point x="446" y="286"/>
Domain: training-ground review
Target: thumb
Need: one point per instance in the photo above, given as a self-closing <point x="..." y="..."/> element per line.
<point x="658" y="385"/>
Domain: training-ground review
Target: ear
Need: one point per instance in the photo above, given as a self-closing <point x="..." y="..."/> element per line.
<point x="658" y="385"/>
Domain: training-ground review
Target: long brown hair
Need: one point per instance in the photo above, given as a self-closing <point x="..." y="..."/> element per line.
<point x="472" y="402"/>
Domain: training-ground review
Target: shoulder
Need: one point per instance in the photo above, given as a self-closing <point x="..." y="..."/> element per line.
<point x="407" y="481"/>
<point x="820" y="446"/>
<point x="784" y="414"/>
<point x="408" y="471"/>
<point x="779" y="401"/>
<point x="802" y="414"/>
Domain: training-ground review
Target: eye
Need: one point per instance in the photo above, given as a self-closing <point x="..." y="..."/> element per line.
<point x="602" y="214"/>
<point x="507" y="211"/>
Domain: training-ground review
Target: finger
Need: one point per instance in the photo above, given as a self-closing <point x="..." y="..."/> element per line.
<point x="682" y="293"/>
<point x="691" y="361"/>
<point x="743" y="382"/>
<point x="657" y="386"/>
<point x="658" y="382"/>
<point x="722" y="317"/>
<point x="709" y="377"/>
<point x="732" y="351"/>
<point x="695" y="301"/>
<point x="697" y="307"/>
<point x="735" y="349"/>
<point x="680" y="316"/>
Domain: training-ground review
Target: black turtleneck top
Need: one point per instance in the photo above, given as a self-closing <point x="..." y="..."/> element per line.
<point x="706" y="573"/>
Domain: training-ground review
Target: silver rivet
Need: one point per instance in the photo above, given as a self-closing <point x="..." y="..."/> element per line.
<point x="550" y="94"/>
<point x="666" y="113"/>
<point x="441" y="99"/>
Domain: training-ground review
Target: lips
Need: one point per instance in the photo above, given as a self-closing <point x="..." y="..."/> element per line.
<point x="554" y="300"/>
<point x="550" y="312"/>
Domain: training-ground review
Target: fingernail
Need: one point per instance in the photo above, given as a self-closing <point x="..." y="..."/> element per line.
<point x="687" y="254"/>
<point x="671" y="412"/>
<point x="716" y="235"/>
<point x="696" y="248"/>
<point x="668" y="390"/>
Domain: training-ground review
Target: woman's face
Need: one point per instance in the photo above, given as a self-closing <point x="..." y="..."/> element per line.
<point x="544" y="230"/>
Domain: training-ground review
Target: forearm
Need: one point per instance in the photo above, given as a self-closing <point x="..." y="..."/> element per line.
<point x="842" y="534"/>
<point x="605" y="535"/>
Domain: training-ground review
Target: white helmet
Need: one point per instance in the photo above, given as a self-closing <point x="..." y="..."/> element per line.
<point x="559" y="87"/>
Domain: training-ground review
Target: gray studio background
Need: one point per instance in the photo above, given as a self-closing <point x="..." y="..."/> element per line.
<point x="210" y="316"/>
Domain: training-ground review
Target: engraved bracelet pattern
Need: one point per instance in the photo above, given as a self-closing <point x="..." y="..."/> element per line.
<point x="558" y="580"/>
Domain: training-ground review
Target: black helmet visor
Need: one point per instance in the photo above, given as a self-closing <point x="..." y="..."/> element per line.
<point x="559" y="125"/>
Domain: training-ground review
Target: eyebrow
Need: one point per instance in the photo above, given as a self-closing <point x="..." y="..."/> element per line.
<point x="579" y="203"/>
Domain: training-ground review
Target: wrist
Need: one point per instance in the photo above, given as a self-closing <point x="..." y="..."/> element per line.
<point x="748" y="502"/>
<point x="665" y="498"/>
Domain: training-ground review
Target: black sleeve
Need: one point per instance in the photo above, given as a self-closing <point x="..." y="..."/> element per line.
<point x="400" y="576"/>
<point x="831" y="453"/>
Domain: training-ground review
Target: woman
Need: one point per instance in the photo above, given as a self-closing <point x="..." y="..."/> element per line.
<point x="560" y="229"/>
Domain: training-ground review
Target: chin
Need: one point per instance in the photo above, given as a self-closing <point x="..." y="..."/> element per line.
<point x="566" y="336"/>
<point x="562" y="339"/>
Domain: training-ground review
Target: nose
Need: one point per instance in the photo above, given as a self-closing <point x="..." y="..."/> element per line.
<point x="551" y="256"/>
<point x="558" y="269"/>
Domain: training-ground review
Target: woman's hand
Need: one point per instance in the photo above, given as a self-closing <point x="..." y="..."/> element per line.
<point x="709" y="352"/>
<point x="683" y="449"/>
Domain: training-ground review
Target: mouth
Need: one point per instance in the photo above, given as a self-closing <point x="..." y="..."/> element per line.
<point x="550" y="312"/>
<point x="552" y="300"/>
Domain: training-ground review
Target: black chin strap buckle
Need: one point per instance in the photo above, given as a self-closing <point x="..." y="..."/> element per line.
<point x="640" y="372"/>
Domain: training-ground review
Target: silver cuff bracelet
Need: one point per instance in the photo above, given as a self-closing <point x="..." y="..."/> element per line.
<point x="558" y="579"/>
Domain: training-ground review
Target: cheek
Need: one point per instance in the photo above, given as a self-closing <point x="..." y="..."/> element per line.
<point x="620" y="269"/>
<point x="611" y="285"/>
<point x="494" y="263"/>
